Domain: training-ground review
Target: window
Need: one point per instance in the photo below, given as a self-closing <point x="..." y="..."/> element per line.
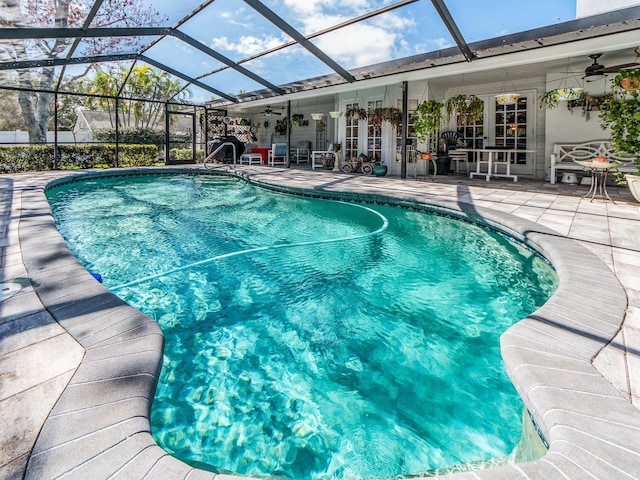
<point x="351" y="135"/>
<point x="374" y="134"/>
<point x="473" y="132"/>
<point x="511" y="127"/>
<point x="412" y="141"/>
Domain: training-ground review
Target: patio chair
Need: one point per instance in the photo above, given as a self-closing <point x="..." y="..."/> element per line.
<point x="301" y="153"/>
<point x="457" y="157"/>
<point x="451" y="140"/>
<point x="278" y="154"/>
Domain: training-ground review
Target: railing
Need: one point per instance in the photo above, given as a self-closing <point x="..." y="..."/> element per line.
<point x="220" y="147"/>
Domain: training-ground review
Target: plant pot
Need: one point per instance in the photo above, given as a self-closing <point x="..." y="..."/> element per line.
<point x="444" y="165"/>
<point x="630" y="84"/>
<point x="571" y="93"/>
<point x="380" y="170"/>
<point x="327" y="162"/>
<point x="634" y="185"/>
<point x="425" y="156"/>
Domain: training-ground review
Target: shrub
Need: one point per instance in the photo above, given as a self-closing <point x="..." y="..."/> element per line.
<point x="15" y="159"/>
<point x="142" y="136"/>
<point x="186" y="154"/>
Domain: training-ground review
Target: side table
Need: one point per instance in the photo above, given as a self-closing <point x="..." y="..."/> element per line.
<point x="599" y="172"/>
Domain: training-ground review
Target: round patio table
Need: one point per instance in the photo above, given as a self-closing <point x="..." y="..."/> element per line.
<point x="599" y="172"/>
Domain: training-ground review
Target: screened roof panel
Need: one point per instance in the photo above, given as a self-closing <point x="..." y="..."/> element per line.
<point x="277" y="45"/>
<point x="309" y="17"/>
<point x="231" y="82"/>
<point x="36" y="49"/>
<point x="16" y="79"/>
<point x="502" y="17"/>
<point x="26" y="13"/>
<point x="113" y="45"/>
<point x="234" y="29"/>
<point x="178" y="55"/>
<point x="407" y="31"/>
<point x="284" y="66"/>
<point x="171" y="11"/>
<point x="145" y="13"/>
<point x="197" y="95"/>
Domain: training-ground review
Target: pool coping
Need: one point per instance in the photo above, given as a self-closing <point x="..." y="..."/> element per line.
<point x="99" y="427"/>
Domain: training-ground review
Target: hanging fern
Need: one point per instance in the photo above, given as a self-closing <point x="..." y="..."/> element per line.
<point x="428" y="118"/>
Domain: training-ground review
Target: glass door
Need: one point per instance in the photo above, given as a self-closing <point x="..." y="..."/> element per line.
<point x="507" y="126"/>
<point x="473" y="133"/>
<point x="351" y="134"/>
<point x="510" y="129"/>
<point x="374" y="133"/>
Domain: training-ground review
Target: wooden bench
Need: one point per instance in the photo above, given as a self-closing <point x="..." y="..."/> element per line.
<point x="564" y="156"/>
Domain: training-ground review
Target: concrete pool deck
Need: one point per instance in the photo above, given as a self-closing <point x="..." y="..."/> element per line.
<point x="78" y="367"/>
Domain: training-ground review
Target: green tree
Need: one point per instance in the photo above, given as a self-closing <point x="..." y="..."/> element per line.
<point x="36" y="107"/>
<point x="142" y="82"/>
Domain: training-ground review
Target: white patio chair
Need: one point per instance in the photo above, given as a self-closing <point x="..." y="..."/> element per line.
<point x="278" y="154"/>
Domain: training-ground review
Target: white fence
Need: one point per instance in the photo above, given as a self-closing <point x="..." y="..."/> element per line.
<point x="21" y="137"/>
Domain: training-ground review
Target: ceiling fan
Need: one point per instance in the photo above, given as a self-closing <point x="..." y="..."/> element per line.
<point x="268" y="111"/>
<point x="596" y="71"/>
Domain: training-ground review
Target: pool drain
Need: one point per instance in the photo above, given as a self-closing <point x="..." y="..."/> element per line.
<point x="8" y="290"/>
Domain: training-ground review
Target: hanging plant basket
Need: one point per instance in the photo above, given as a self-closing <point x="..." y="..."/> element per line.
<point x="427" y="119"/>
<point x="357" y="113"/>
<point x="571" y="93"/>
<point x="507" y="98"/>
<point x="385" y="114"/>
<point x="335" y="114"/>
<point x="550" y="99"/>
<point x="467" y="108"/>
<point x="317" y="116"/>
<point x="630" y="84"/>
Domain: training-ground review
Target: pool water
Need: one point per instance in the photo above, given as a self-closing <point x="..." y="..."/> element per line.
<point x="307" y="338"/>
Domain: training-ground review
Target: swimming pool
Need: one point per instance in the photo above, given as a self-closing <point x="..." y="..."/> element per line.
<point x="389" y="368"/>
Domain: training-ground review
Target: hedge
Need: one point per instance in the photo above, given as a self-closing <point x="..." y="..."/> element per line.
<point x="15" y="159"/>
<point x="128" y="135"/>
<point x="186" y="154"/>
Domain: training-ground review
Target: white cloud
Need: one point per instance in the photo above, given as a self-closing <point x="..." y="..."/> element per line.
<point x="379" y="39"/>
<point x="246" y="45"/>
<point x="358" y="45"/>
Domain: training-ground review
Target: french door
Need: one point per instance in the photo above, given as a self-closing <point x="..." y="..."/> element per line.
<point x="508" y="126"/>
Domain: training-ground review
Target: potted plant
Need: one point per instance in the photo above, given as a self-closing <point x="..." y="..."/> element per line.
<point x="296" y="119"/>
<point x="629" y="80"/>
<point x="375" y="117"/>
<point x="379" y="168"/>
<point x="328" y="161"/>
<point x="358" y="113"/>
<point x="551" y="98"/>
<point x="620" y="112"/>
<point x="467" y="108"/>
<point x="385" y="114"/>
<point x="281" y="127"/>
<point x="427" y="119"/>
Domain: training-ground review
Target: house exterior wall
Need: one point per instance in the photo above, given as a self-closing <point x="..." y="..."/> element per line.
<point x="585" y="8"/>
<point x="565" y="126"/>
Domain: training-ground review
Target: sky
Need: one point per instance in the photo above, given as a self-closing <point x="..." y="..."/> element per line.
<point x="237" y="31"/>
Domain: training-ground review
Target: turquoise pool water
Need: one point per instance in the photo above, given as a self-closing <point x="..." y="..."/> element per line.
<point x="308" y="338"/>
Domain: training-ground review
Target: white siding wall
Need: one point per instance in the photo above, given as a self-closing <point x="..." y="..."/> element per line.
<point x="585" y="8"/>
<point x="564" y="126"/>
